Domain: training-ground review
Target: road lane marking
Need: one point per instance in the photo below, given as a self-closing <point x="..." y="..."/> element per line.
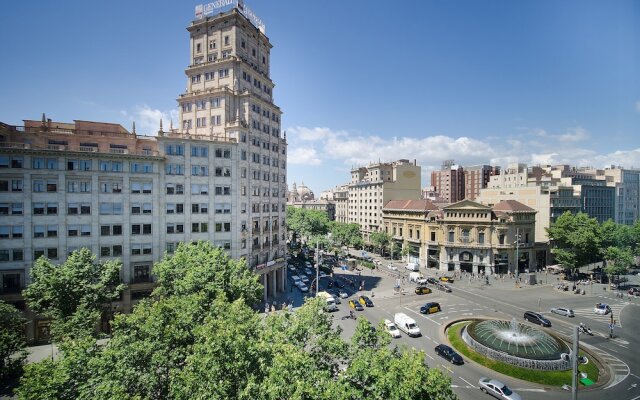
<point x="424" y="316"/>
<point x="467" y="382"/>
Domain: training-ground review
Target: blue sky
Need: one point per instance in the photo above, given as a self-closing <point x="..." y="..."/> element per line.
<point x="358" y="81"/>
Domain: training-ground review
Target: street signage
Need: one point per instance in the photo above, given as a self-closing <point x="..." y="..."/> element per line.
<point x="204" y="10"/>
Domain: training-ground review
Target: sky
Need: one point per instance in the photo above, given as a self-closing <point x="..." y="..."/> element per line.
<point x="478" y="81"/>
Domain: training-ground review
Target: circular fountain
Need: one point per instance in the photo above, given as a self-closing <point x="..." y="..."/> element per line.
<point x="517" y="344"/>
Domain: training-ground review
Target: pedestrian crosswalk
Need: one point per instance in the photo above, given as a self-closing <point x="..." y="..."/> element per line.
<point x="588" y="312"/>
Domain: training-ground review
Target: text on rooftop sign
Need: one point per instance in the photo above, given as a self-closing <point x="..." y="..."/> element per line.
<point x="203" y="10"/>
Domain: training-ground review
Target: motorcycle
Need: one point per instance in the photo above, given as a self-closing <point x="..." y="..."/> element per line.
<point x="584" y="329"/>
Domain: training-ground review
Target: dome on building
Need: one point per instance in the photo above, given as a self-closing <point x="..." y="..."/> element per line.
<point x="300" y="193"/>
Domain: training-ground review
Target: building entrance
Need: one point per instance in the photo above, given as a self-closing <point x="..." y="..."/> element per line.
<point x="466" y="267"/>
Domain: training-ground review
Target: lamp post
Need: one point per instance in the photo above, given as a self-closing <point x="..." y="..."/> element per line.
<point x="517" y="254"/>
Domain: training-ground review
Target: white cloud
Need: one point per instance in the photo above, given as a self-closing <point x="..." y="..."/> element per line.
<point x="575" y="134"/>
<point x="147" y="119"/>
<point x="332" y="148"/>
<point x="303" y="156"/>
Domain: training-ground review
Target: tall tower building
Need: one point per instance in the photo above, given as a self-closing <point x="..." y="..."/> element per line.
<point x="449" y="181"/>
<point x="219" y="177"/>
<point x="477" y="177"/>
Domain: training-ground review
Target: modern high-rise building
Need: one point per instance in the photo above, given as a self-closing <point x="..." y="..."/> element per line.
<point x="220" y="176"/>
<point x="371" y="187"/>
<point x="476" y="177"/>
<point x="449" y="181"/>
<point x="627" y="193"/>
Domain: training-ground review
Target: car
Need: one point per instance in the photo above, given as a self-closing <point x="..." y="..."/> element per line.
<point x="430" y="308"/>
<point x="391" y="328"/>
<point x="422" y="290"/>
<point x="497" y="389"/>
<point x="567" y="312"/>
<point x="634" y="291"/>
<point x="304" y="279"/>
<point x="392" y="267"/>
<point x="443" y="287"/>
<point x="365" y="301"/>
<point x="336" y="298"/>
<point x="536" y="318"/>
<point x="291" y="267"/>
<point x="303" y="287"/>
<point x="602" y="309"/>
<point x="421" y="281"/>
<point x="432" y="280"/>
<point x="446" y="279"/>
<point x="355" y="305"/>
<point x="322" y="274"/>
<point x="449" y="354"/>
<point x="309" y="271"/>
<point x="339" y="283"/>
<point x="307" y="263"/>
<point x="295" y="279"/>
<point x="342" y="294"/>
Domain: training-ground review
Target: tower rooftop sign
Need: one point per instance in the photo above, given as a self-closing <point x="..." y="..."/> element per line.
<point x="204" y="10"/>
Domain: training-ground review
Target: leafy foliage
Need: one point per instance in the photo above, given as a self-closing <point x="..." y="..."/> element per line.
<point x="306" y="223"/>
<point x="576" y="239"/>
<point x="79" y="285"/>
<point x="199" y="340"/>
<point x="380" y="240"/>
<point x="202" y="268"/>
<point x="12" y="343"/>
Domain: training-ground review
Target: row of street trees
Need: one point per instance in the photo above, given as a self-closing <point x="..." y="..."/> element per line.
<point x="313" y="227"/>
<point x="577" y="240"/>
<point x="198" y="337"/>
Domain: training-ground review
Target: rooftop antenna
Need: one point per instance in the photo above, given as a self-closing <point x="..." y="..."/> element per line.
<point x="160" y="131"/>
<point x="133" y="128"/>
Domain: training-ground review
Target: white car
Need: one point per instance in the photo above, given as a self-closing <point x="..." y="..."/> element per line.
<point x="309" y="271"/>
<point x="391" y="328"/>
<point x="567" y="312"/>
<point x="295" y="279"/>
<point x="602" y="309"/>
<point x="304" y="280"/>
<point x="302" y="287"/>
<point x="421" y="281"/>
<point x="497" y="389"/>
<point x="291" y="267"/>
<point x="342" y="294"/>
<point x="392" y="267"/>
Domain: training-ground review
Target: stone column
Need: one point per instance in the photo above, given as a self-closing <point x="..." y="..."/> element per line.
<point x="272" y="286"/>
<point x="263" y="279"/>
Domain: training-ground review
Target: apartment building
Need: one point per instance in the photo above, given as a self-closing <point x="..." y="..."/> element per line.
<point x="465" y="236"/>
<point x="326" y="206"/>
<point x="341" y="200"/>
<point x="449" y="181"/>
<point x="221" y="176"/>
<point x="627" y="192"/>
<point x="477" y="177"/>
<point x="374" y="185"/>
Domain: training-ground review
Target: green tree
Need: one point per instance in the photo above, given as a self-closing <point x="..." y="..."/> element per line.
<point x="304" y="223"/>
<point x="405" y="250"/>
<point x="575" y="239"/>
<point x="73" y="293"/>
<point x="380" y="240"/>
<point x="12" y="343"/>
<point x="202" y="268"/>
<point x="346" y="234"/>
<point x="618" y="260"/>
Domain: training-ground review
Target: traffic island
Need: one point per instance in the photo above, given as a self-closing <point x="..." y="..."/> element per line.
<point x="557" y="379"/>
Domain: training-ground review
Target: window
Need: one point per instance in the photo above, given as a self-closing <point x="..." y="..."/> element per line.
<point x="226" y="40"/>
<point x="223" y="190"/>
<point x="136" y="208"/>
<point x="17" y="231"/>
<point x="73" y="209"/>
<point x="52" y="163"/>
<point x="4" y="257"/>
<point x="16" y="185"/>
<point x="52" y="230"/>
<point x="37" y="163"/>
<point x="18" y="255"/>
<point x="174" y="169"/>
<point x="5" y="231"/>
<point x="223" y="227"/>
<point x="147" y="208"/>
<point x="141" y="273"/>
<point x="78" y="186"/>
<point x="52" y="185"/>
<point x="224" y="171"/>
<point x="199" y="170"/>
<point x="105" y="230"/>
<point x="52" y="208"/>
<point x="141" y="168"/>
<point x="216" y="120"/>
<point x="38" y="186"/>
<point x="110" y="187"/>
<point x="481" y="237"/>
<point x="199" y="151"/>
<point x="85" y="208"/>
<point x="175" y="228"/>
<point x="202" y="227"/>
<point x="171" y="247"/>
<point x="451" y="236"/>
<point x="85" y="230"/>
<point x="199" y="189"/>
<point x="111" y="208"/>
<point x="38" y="231"/>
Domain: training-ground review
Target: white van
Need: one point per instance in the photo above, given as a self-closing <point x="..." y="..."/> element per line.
<point x="412" y="267"/>
<point x="407" y="324"/>
<point x="417" y="277"/>
<point x="331" y="302"/>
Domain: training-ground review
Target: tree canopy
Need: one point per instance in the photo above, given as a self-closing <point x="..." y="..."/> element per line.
<point x="306" y="223"/>
<point x="193" y="340"/>
<point x="12" y="343"/>
<point x="73" y="293"/>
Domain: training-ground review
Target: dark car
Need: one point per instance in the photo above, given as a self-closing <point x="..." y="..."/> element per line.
<point x="536" y="318"/>
<point x="432" y="281"/>
<point x="445" y="288"/>
<point x="422" y="290"/>
<point x="339" y="283"/>
<point x="430" y="308"/>
<point x="449" y="354"/>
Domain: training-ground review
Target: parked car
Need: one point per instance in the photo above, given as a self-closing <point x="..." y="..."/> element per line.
<point x="536" y="318"/>
<point x="422" y="290"/>
<point x="339" y="283"/>
<point x="355" y="305"/>
<point x="432" y="280"/>
<point x="295" y="279"/>
<point x="365" y="301"/>
<point x="304" y="279"/>
<point x="449" y="354"/>
<point x="602" y="309"/>
<point x="342" y="294"/>
<point x="497" y="389"/>
<point x="567" y="312"/>
<point x="291" y="267"/>
<point x="303" y="287"/>
<point x="309" y="271"/>
<point x="392" y="267"/>
<point x="391" y="328"/>
<point x="430" y="308"/>
<point x="446" y="279"/>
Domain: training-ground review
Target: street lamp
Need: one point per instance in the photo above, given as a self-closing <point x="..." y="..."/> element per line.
<point x="517" y="254"/>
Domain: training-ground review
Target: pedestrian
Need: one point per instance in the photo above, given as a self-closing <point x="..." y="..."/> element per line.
<point x="266" y="308"/>
<point x="273" y="307"/>
<point x="290" y="307"/>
